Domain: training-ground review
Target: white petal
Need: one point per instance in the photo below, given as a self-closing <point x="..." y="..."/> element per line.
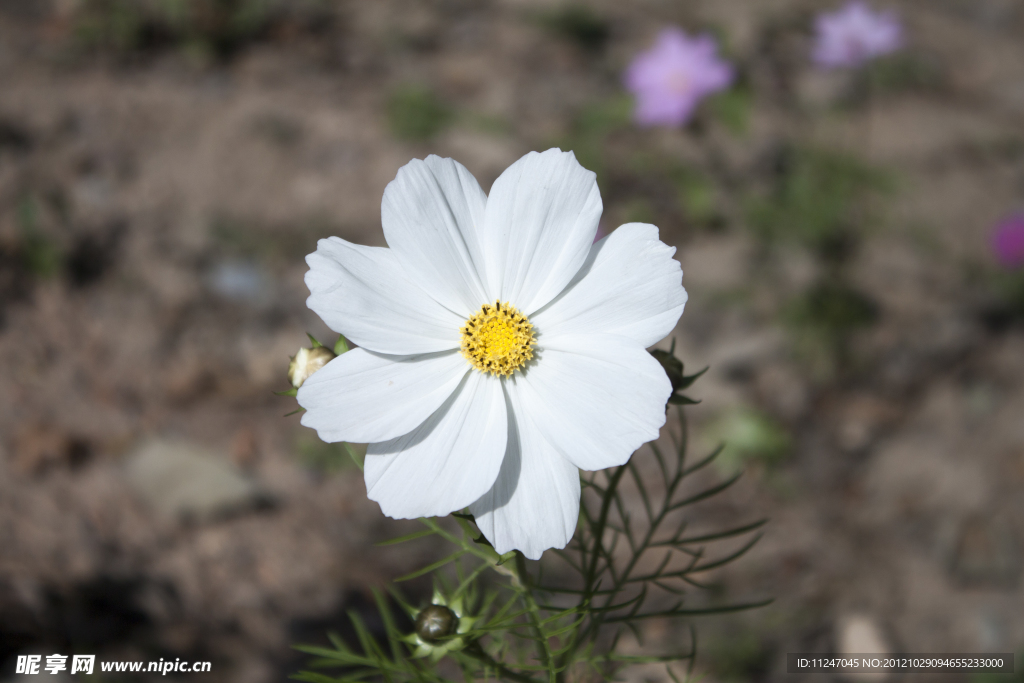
<point x="541" y="219"/>
<point x="363" y="293"/>
<point x="596" y="399"/>
<point x="535" y="502"/>
<point x="447" y="462"/>
<point x="630" y="285"/>
<point x="364" y="397"/>
<point x="432" y="215"/>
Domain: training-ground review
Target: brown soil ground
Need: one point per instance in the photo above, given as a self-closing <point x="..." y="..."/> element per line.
<point x="157" y="198"/>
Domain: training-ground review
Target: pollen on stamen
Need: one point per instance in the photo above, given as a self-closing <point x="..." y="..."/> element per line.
<point x="498" y="339"/>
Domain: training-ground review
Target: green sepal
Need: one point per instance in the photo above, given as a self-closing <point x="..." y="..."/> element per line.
<point x="290" y="392"/>
<point x="340" y="346"/>
<point x="312" y="339"/>
<point x="680" y="400"/>
<point x="352" y="454"/>
<point x="510" y="555"/>
<point x="687" y="380"/>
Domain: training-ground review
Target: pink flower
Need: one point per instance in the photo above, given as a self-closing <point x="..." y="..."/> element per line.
<point x="671" y="78"/>
<point x="854" y="35"/>
<point x="1008" y="242"/>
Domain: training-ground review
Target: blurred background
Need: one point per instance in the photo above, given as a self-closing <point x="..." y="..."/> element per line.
<point x="165" y="165"/>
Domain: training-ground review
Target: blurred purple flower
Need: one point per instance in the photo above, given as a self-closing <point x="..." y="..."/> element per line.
<point x="1008" y="242"/>
<point x="854" y="35"/>
<point x="673" y="76"/>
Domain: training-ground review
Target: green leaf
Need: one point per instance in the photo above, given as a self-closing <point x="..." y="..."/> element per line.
<point x="728" y="558"/>
<point x="723" y="609"/>
<point x="342" y="655"/>
<point x="707" y="460"/>
<point x="723" y="534"/>
<point x="707" y="493"/>
<point x="431" y="567"/>
<point x="389" y="623"/>
<point x="408" y="537"/>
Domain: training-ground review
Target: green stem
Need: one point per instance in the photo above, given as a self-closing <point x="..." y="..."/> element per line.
<point x="543" y="648"/>
<point x="478" y="653"/>
<point x="598" y="532"/>
<point x="591" y="575"/>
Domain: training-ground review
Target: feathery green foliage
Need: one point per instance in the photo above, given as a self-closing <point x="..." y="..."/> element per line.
<point x="632" y="558"/>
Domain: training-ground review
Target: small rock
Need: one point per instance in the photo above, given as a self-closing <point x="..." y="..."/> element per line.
<point x="186" y="482"/>
<point x="990" y="630"/>
<point x="239" y="281"/>
<point x="860" y="634"/>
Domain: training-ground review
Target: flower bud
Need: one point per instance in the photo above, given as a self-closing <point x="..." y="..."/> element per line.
<point x="306" y="362"/>
<point x="435" y="622"/>
<point x="673" y="367"/>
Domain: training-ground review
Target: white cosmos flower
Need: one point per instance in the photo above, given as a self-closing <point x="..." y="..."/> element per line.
<point x="501" y="349"/>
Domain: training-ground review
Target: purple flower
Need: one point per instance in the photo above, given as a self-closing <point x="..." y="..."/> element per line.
<point x="1008" y="242"/>
<point x="854" y="35"/>
<point x="673" y="76"/>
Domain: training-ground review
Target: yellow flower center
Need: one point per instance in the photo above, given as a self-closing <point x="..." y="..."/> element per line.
<point x="498" y="339"/>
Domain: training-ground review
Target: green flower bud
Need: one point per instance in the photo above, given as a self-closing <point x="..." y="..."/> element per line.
<point x="435" y="622"/>
<point x="306" y="362"/>
<point x="673" y="368"/>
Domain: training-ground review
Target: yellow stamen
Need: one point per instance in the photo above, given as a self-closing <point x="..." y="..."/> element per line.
<point x="498" y="339"/>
